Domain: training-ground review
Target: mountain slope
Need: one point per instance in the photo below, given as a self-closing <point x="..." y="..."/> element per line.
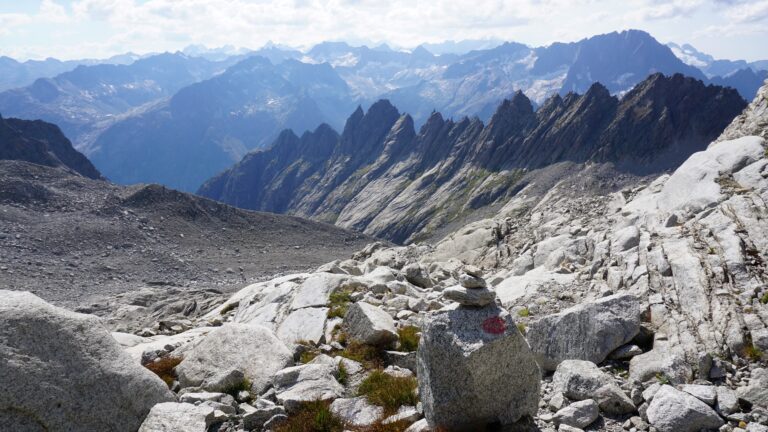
<point x="88" y="243"/>
<point x="382" y="177"/>
<point x="43" y="144"/>
<point x="206" y="127"/>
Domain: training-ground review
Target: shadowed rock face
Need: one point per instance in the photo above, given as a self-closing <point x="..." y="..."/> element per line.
<point x="382" y="177"/>
<point x="43" y="144"/>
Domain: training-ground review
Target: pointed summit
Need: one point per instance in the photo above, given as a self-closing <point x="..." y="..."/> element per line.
<point x="512" y="115"/>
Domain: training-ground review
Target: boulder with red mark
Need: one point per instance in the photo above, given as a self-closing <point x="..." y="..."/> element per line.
<point x="475" y="368"/>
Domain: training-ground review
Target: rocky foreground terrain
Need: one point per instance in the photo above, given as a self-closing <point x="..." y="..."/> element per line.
<point x="644" y="309"/>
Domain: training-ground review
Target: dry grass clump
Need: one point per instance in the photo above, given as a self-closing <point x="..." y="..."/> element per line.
<point x="370" y="356"/>
<point x="338" y="303"/>
<point x="312" y="417"/>
<point x="165" y="368"/>
<point x="388" y="391"/>
<point x="409" y="338"/>
<point x="753" y="353"/>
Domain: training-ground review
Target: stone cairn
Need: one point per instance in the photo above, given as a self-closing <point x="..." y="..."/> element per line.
<point x="475" y="368"/>
<point x="472" y="289"/>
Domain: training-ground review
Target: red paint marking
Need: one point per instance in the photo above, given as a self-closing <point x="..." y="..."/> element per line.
<point x="494" y="325"/>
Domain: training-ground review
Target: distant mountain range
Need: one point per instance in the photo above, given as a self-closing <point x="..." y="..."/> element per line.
<point x="82" y="100"/>
<point x="384" y="178"/>
<point x="181" y="118"/>
<point x="206" y="127"/>
<point x="15" y="74"/>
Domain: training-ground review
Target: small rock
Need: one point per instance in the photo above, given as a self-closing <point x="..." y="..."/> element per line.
<point x="305" y="383"/>
<point x="705" y="393"/>
<point x="370" y="325"/>
<point x="357" y="411"/>
<point x="727" y="401"/>
<point x="625" y="352"/>
<point x="419" y="426"/>
<point x="672" y="410"/>
<point x="472" y="282"/>
<point x="580" y="380"/>
<point x="578" y="414"/>
<point x="172" y="416"/>
<point x="470" y="296"/>
<point x="405" y="414"/>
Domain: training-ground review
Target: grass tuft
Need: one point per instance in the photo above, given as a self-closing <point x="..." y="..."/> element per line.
<point x="388" y="391"/>
<point x="524" y="312"/>
<point x="522" y="327"/>
<point x="753" y="353"/>
<point x="764" y="298"/>
<point x="662" y="379"/>
<point x="338" y="303"/>
<point x="245" y="385"/>
<point x="165" y="368"/>
<point x="312" y="417"/>
<point x="342" y="375"/>
<point x="370" y="356"/>
<point x="409" y="338"/>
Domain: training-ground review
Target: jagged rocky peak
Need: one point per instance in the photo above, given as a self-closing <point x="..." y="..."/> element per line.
<point x="386" y="179"/>
<point x="512" y="115"/>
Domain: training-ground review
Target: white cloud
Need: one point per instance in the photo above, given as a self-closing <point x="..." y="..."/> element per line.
<point x="104" y="27"/>
<point x="750" y="12"/>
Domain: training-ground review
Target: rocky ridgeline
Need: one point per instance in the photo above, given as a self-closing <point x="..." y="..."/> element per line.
<point x="642" y="310"/>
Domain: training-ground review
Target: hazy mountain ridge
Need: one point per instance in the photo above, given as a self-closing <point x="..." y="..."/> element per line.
<point x="382" y="177"/>
<point x="79" y="99"/>
<point x="208" y="126"/>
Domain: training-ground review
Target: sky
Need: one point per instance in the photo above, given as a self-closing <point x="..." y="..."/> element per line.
<point x="727" y="29"/>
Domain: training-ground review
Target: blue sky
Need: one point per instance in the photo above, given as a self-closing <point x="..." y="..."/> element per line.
<point x="732" y="29"/>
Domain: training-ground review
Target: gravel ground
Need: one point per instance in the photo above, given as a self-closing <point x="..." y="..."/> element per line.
<point x="75" y="241"/>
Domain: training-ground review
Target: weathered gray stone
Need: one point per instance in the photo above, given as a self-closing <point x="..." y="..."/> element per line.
<point x="660" y="362"/>
<point x="178" y="417"/>
<point x="756" y="392"/>
<point x="231" y="354"/>
<point x="470" y="296"/>
<point x="306" y="383"/>
<point x="370" y="325"/>
<point x="580" y="380"/>
<point x="705" y="393"/>
<point x="417" y="275"/>
<point x="625" y="352"/>
<point x="672" y="410"/>
<point x="588" y="331"/>
<point x="357" y="411"/>
<point x="63" y="371"/>
<point x="625" y="239"/>
<point x="472" y="282"/>
<point x="475" y="368"/>
<point x="264" y="410"/>
<point x="419" y="426"/>
<point x="404" y="414"/>
<point x="192" y="397"/>
<point x="316" y="289"/>
<point x="578" y="414"/>
<point x="306" y="324"/>
<point x="727" y="401"/>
